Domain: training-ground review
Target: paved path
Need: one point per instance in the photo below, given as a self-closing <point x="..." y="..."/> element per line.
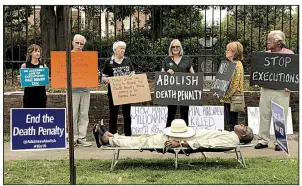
<point x="96" y="153"/>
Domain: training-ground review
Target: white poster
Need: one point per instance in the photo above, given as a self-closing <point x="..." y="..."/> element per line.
<point x="206" y="117"/>
<point x="148" y="120"/>
<point x="152" y="120"/>
<point x="254" y="120"/>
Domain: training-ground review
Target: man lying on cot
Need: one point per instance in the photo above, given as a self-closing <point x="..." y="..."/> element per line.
<point x="178" y="135"/>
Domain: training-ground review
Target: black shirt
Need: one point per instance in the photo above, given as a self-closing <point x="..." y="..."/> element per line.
<point x="183" y="66"/>
<point x="112" y="68"/>
<point x="38" y="92"/>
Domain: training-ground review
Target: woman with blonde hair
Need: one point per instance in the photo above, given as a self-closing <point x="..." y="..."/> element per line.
<point x="177" y="62"/>
<point x="34" y="97"/>
<point x="234" y="54"/>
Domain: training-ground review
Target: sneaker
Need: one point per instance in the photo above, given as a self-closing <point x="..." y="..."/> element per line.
<point x="260" y="146"/>
<point x="67" y="144"/>
<point x="84" y="143"/>
<point x="97" y="133"/>
<point x="277" y="148"/>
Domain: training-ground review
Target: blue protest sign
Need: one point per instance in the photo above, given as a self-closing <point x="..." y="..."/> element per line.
<point x="38" y="129"/>
<point x="279" y="126"/>
<point x="31" y="77"/>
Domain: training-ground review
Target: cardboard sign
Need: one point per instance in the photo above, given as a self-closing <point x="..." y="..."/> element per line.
<point x="223" y="78"/>
<point x="31" y="77"/>
<point x="148" y="120"/>
<point x="38" y="129"/>
<point x="84" y="69"/>
<point x="279" y="126"/>
<point x="206" y="117"/>
<point x="275" y="70"/>
<point x="130" y="89"/>
<point x="253" y="115"/>
<point x="178" y="89"/>
<point x="152" y="120"/>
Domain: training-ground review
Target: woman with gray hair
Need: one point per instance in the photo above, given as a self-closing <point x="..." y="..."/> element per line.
<point x="275" y="44"/>
<point x="177" y="62"/>
<point x="118" y="65"/>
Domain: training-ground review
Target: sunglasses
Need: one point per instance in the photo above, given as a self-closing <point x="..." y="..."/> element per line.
<point x="175" y="47"/>
<point x="79" y="43"/>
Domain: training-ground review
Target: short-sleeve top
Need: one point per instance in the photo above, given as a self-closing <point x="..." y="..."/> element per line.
<point x="183" y="66"/>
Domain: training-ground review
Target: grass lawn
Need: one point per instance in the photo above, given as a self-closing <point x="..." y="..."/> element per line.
<point x="155" y="171"/>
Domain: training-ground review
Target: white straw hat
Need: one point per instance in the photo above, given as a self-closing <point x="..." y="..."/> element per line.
<point x="179" y="129"/>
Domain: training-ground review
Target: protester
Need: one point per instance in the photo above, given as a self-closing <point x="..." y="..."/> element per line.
<point x="118" y="65"/>
<point x="234" y="54"/>
<point x="80" y="102"/>
<point x="177" y="62"/>
<point x="34" y="97"/>
<point x="179" y="134"/>
<point x="275" y="44"/>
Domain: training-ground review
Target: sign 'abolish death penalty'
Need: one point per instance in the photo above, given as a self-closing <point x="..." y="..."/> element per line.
<point x="178" y="89"/>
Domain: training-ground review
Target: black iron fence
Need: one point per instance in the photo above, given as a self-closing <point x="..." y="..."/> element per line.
<point x="147" y="30"/>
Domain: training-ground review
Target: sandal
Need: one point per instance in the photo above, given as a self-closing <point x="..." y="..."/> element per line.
<point x="98" y="134"/>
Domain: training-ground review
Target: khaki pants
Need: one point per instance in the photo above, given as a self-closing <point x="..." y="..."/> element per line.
<point x="267" y="95"/>
<point x="80" y="107"/>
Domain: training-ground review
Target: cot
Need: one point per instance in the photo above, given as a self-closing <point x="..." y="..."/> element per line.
<point x="182" y="150"/>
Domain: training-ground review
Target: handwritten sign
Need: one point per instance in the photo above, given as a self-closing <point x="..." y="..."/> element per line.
<point x="206" y="117"/>
<point x="148" y="120"/>
<point x="130" y="89"/>
<point x="152" y="120"/>
<point x="31" y="77"/>
<point x="253" y="115"/>
<point x="223" y="78"/>
<point x="178" y="89"/>
<point x="275" y="70"/>
<point x="279" y="126"/>
<point x="38" y="129"/>
<point x="84" y="69"/>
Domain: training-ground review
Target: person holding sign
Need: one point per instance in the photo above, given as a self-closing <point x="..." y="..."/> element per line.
<point x="275" y="44"/>
<point x="34" y="97"/>
<point x="80" y="102"/>
<point x="178" y="135"/>
<point x="118" y="65"/>
<point x="177" y="62"/>
<point x="234" y="54"/>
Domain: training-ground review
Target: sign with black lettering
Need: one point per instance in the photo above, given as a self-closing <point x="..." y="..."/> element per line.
<point x="152" y="120"/>
<point x="206" y="117"/>
<point x="223" y="78"/>
<point x="275" y="70"/>
<point x="148" y="120"/>
<point x="178" y="89"/>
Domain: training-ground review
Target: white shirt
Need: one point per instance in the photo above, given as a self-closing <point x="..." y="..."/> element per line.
<point x="202" y="138"/>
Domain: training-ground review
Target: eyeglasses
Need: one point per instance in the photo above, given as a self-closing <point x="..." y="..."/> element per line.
<point x="79" y="43"/>
<point x="175" y="47"/>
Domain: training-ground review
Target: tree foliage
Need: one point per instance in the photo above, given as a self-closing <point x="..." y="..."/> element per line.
<point x="148" y="44"/>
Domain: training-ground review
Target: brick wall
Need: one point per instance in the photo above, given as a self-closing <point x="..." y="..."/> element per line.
<point x="99" y="106"/>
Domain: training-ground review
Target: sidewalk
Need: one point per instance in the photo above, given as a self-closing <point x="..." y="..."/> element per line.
<point x="96" y="153"/>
